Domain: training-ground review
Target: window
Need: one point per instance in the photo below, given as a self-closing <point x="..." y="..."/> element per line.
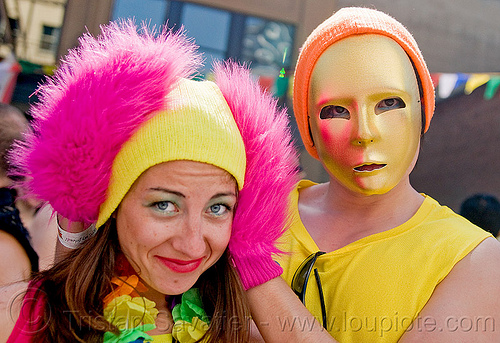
<point x="14" y="27"/>
<point x="152" y="12"/>
<point x="210" y="29"/>
<point x="50" y="38"/>
<point x="265" y="45"/>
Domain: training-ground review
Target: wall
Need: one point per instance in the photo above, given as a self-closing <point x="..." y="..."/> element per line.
<point x="459" y="154"/>
<point x="82" y="16"/>
<point x="454" y="36"/>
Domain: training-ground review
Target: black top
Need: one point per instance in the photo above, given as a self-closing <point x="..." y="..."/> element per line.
<point x="10" y="222"/>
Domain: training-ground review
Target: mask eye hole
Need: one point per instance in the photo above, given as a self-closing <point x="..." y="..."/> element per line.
<point x="332" y="111"/>
<point x="389" y="104"/>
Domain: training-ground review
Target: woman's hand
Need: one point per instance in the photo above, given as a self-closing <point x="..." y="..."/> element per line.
<point x="67" y="231"/>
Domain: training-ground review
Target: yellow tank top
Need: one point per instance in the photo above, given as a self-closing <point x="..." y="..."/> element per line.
<point x="375" y="287"/>
<point x="165" y="338"/>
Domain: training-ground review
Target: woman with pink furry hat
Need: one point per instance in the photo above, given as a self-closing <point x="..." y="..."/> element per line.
<point x="186" y="181"/>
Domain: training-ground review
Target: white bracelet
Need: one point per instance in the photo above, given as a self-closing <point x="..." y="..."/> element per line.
<point x="74" y="240"/>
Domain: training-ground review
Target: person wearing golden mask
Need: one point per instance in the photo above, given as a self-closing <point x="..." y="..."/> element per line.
<point x="371" y="258"/>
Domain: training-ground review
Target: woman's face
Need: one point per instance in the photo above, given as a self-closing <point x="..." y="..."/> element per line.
<point x="365" y="113"/>
<point x="175" y="222"/>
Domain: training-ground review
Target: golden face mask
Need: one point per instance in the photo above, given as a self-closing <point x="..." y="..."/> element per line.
<point x="365" y="114"/>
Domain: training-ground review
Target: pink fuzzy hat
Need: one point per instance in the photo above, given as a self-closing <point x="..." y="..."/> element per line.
<point x="271" y="174"/>
<point x="110" y="88"/>
<point x="100" y="95"/>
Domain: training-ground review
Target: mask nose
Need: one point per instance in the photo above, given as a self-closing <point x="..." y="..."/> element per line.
<point x="365" y="130"/>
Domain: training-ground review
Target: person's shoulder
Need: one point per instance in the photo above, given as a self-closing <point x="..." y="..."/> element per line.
<point x="11" y="297"/>
<point x="14" y="261"/>
<point x="11" y="300"/>
<point x="482" y="263"/>
<point x="468" y="293"/>
<point x="479" y="274"/>
<point x="447" y="219"/>
<point x="488" y="252"/>
<point x="310" y="190"/>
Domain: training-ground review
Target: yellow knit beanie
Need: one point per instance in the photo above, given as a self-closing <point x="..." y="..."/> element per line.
<point x="199" y="126"/>
<point x="347" y="22"/>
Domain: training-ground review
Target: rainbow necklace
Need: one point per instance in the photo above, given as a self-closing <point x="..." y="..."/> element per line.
<point x="135" y="315"/>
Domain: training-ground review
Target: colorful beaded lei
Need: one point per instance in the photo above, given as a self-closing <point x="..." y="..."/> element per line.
<point x="135" y="315"/>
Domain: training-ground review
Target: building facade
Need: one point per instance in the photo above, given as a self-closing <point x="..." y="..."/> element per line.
<point x="36" y="27"/>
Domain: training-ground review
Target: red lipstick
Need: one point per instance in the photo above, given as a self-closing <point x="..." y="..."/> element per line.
<point x="180" y="266"/>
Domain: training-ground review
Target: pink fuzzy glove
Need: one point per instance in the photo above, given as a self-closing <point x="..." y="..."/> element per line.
<point x="271" y="174"/>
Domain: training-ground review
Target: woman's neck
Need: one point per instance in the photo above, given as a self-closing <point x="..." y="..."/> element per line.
<point x="159" y="298"/>
<point x="164" y="321"/>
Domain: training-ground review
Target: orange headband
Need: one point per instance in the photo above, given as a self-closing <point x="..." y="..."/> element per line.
<point x="344" y="23"/>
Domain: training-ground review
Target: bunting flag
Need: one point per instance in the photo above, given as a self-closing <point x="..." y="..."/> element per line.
<point x="281" y="86"/>
<point x="491" y="87"/>
<point x="266" y="82"/>
<point x="435" y="78"/>
<point x="447" y="82"/>
<point x="450" y="83"/>
<point x="461" y="80"/>
<point x="474" y="81"/>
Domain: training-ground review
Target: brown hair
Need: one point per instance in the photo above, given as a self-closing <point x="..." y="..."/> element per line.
<point x="74" y="289"/>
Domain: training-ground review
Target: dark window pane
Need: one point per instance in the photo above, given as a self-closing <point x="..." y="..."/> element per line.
<point x="49" y="38"/>
<point x="267" y="44"/>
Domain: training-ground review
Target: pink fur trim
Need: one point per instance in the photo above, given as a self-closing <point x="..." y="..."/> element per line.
<point x="271" y="174"/>
<point x="102" y="92"/>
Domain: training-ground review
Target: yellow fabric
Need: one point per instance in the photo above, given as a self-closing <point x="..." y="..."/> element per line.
<point x="186" y="332"/>
<point x="126" y="312"/>
<point x="376" y="286"/>
<point x="198" y="127"/>
<point x="166" y="338"/>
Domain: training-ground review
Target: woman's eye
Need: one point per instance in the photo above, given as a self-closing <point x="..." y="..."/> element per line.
<point x="165" y="206"/>
<point x="332" y="111"/>
<point x="389" y="104"/>
<point x="218" y="209"/>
